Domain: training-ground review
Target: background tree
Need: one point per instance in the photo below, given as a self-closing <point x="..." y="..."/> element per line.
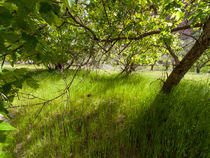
<point x="202" y="61"/>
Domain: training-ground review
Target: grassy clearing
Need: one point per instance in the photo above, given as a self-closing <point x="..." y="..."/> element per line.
<point x="29" y="66"/>
<point x="110" y="116"/>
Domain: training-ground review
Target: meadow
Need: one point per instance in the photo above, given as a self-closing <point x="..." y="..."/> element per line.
<point x="110" y="116"/>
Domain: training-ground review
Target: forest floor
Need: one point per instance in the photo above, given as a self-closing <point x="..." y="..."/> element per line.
<point x="107" y="115"/>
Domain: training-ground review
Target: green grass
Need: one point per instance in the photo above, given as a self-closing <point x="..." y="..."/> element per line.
<point x="113" y="116"/>
<point x="29" y="66"/>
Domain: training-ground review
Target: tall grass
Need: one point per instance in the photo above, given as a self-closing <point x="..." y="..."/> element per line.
<point x="113" y="116"/>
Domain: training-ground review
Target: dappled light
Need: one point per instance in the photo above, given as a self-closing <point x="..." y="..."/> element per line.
<point x="104" y="78"/>
<point x="114" y="116"/>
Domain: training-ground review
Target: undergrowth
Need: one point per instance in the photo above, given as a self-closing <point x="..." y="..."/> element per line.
<point x="112" y="116"/>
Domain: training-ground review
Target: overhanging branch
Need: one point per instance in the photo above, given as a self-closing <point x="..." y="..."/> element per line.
<point x="81" y="24"/>
<point x="141" y="36"/>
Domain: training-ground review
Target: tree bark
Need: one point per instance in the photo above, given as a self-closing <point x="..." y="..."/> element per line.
<point x="2" y="64"/>
<point x="152" y="67"/>
<point x="190" y="58"/>
<point x="198" y="68"/>
<point x="59" y="66"/>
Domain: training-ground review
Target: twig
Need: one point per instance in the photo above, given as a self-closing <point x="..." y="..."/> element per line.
<point x="106" y="12"/>
<point x="81" y="24"/>
<point x="38" y="114"/>
<point x="190" y="36"/>
<point x="50" y="100"/>
<point x="34" y="97"/>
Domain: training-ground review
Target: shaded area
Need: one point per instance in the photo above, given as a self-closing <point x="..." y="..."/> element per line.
<point x="174" y="125"/>
<point x="113" y="122"/>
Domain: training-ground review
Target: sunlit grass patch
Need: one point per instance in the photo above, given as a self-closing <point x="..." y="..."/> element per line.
<point x="112" y="116"/>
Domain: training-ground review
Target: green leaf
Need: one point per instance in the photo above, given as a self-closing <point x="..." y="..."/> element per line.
<point x="20" y="23"/>
<point x="129" y="27"/>
<point x="45" y="8"/>
<point x="6" y="88"/>
<point x="2" y="47"/>
<point x="173" y="4"/>
<point x="3" y="137"/>
<point x="71" y="2"/>
<point x="24" y="6"/>
<point x="56" y="9"/>
<point x="6" y="126"/>
<point x="32" y="83"/>
<point x="10" y="36"/>
<point x="3" y="104"/>
<point x="5" y="16"/>
<point x="49" y="12"/>
<point x="113" y="1"/>
<point x="30" y="43"/>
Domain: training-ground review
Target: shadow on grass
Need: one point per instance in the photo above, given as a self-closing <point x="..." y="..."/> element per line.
<point x="175" y="126"/>
<point x="76" y="134"/>
<point x="116" y="82"/>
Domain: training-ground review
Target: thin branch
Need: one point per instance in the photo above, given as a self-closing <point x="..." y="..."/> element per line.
<point x="81" y="24"/>
<point x="20" y="46"/>
<point x="172" y="53"/>
<point x="106" y="12"/>
<point x="32" y="96"/>
<point x="125" y="47"/>
<point x="38" y="114"/>
<point x="205" y="63"/>
<point x="190" y="36"/>
<point x="141" y="36"/>
<point x="50" y="100"/>
<point x="2" y="64"/>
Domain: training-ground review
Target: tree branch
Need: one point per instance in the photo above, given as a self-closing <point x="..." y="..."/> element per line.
<point x="81" y="24"/>
<point x="141" y="36"/>
<point x="176" y="59"/>
<point x="189" y="36"/>
<point x="106" y="12"/>
<point x="204" y="63"/>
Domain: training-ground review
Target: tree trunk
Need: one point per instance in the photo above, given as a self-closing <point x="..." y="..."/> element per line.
<point x="152" y="67"/>
<point x="190" y="58"/>
<point x="198" y="68"/>
<point x="59" y="66"/>
<point x="49" y="66"/>
<point x="166" y="65"/>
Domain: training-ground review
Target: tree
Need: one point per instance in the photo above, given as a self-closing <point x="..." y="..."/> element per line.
<point x="143" y="53"/>
<point x="105" y="24"/>
<point x="202" y="61"/>
<point x="128" y="22"/>
<point x="190" y="58"/>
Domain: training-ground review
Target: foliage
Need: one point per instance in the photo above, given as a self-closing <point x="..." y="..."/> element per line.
<point x="46" y="30"/>
<point x="63" y="47"/>
<point x="10" y="83"/>
<point x="79" y="32"/>
<point x="203" y="60"/>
